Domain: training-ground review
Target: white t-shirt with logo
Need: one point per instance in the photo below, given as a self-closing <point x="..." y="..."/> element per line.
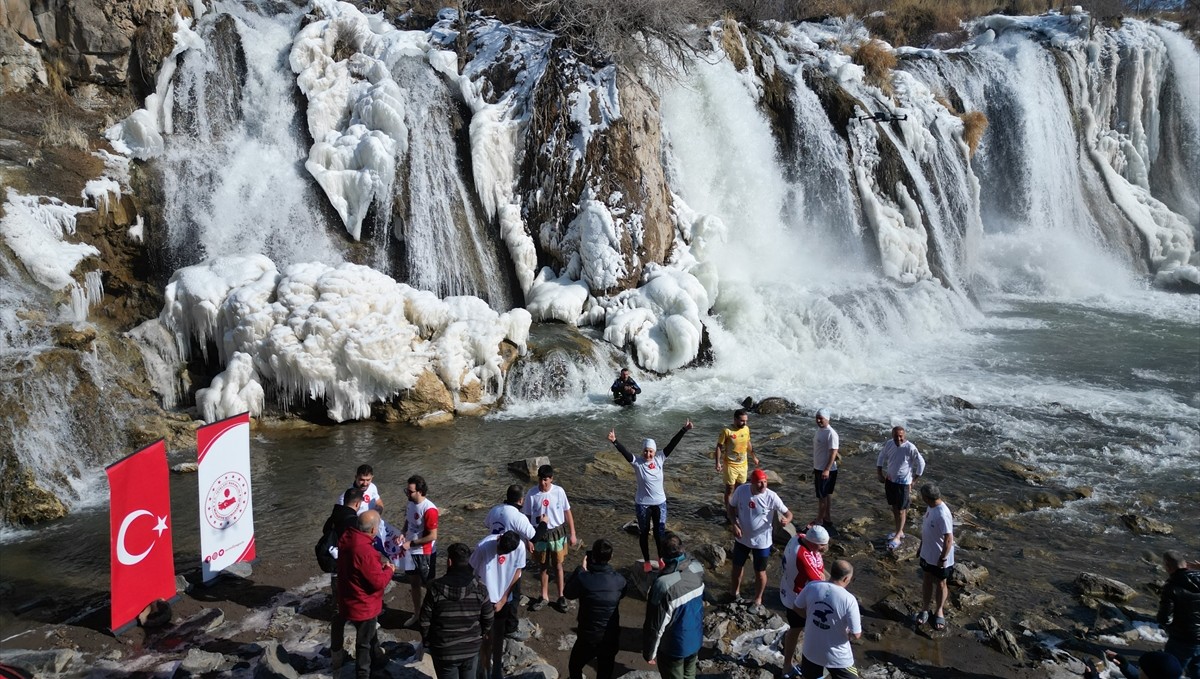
<point x="649" y="476"/>
<point x="422" y="516"/>
<point x="506" y="517"/>
<point x="825" y="441"/>
<point x="496" y="570"/>
<point x="934" y="526"/>
<point x="830" y="616"/>
<point x="370" y="498"/>
<point x="754" y="514"/>
<point x="552" y="504"/>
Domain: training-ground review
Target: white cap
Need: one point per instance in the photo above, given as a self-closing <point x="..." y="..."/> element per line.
<point x="817" y="535"/>
<point x="823" y="412"/>
<point x="649" y="443"/>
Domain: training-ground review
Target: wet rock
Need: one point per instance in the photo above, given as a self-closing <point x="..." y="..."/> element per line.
<point x="783" y="532"/>
<point x="156" y="615"/>
<point x="42" y="663"/>
<point x="892" y="608"/>
<point x="715" y="631"/>
<point x="241" y="569"/>
<point x="528" y="467"/>
<point x="773" y="477"/>
<point x="436" y="418"/>
<point x="1144" y="525"/>
<point x="712" y="554"/>
<point x="884" y="671"/>
<point x="1001" y="639"/>
<point x="1082" y="492"/>
<point x="956" y="403"/>
<point x="967" y="574"/>
<point x="186" y="468"/>
<point x="858" y="525"/>
<point x="641" y="674"/>
<point x="973" y="541"/>
<point x="281" y="619"/>
<point x="475" y="506"/>
<point x="198" y="662"/>
<point x="1111" y="620"/>
<point x="72" y="336"/>
<point x="181" y="584"/>
<point x="27" y="502"/>
<point x="518" y="657"/>
<point x="1022" y="471"/>
<point x="1091" y="584"/>
<point x="539" y="671"/>
<point x="275" y="662"/>
<point x="610" y="462"/>
<point x="774" y="405"/>
<point x="972" y="598"/>
<point x="907" y="551"/>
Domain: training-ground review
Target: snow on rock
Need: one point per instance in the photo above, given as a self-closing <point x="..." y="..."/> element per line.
<point x="661" y="319"/>
<point x="348" y="335"/>
<point x="141" y="134"/>
<point x="34" y="228"/>
<point x="553" y="298"/>
<point x="598" y="260"/>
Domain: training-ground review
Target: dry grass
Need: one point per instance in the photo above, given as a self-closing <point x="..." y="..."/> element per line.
<point x="732" y="41"/>
<point x="61" y="131"/>
<point x="878" y="60"/>
<point x="975" y="123"/>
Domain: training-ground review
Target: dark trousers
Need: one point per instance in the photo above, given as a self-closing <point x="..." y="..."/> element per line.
<point x="366" y="648"/>
<point x="456" y="669"/>
<point x="678" y="668"/>
<point x="604" y="650"/>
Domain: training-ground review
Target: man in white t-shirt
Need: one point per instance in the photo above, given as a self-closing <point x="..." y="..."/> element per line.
<point x="364" y="478"/>
<point x="547" y="504"/>
<point x="498" y="560"/>
<point x="751" y="508"/>
<point x="899" y="465"/>
<point x="505" y="517"/>
<point x="825" y="469"/>
<point x="937" y="556"/>
<point x="419" y="540"/>
<point x="832" y="619"/>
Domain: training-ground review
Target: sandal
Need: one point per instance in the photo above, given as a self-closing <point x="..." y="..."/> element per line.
<point x="939" y="623"/>
<point x="893" y="543"/>
<point x="922" y="618"/>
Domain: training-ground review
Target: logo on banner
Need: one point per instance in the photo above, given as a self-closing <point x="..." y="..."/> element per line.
<point x="227" y="500"/>
<point x="123" y="554"/>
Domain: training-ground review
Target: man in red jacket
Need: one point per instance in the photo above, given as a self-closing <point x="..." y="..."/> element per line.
<point x="363" y="573"/>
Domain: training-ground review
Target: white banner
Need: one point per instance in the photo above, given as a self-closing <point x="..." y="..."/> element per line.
<point x="226" y="506"/>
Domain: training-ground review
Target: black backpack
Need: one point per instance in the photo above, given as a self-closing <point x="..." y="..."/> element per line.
<point x="325" y="560"/>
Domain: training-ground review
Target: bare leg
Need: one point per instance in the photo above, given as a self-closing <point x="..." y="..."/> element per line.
<point x="545" y="583"/>
<point x="559" y="571"/>
<point x="791" y="639"/>
<point x="901" y="516"/>
<point x="926" y="590"/>
<point x="737" y="579"/>
<point x="940" y="592"/>
<point x="760" y="581"/>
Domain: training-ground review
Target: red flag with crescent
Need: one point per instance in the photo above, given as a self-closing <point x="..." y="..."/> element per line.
<point x="139" y="511"/>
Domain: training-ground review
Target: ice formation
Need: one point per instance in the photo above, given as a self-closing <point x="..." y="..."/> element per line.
<point x="34" y="228"/>
<point x="347" y="335"/>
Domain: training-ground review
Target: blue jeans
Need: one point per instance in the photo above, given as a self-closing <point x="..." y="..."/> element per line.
<point x="1188" y="656"/>
<point x="646" y="514"/>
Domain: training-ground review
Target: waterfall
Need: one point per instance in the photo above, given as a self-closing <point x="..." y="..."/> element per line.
<point x="449" y="248"/>
<point x="232" y="171"/>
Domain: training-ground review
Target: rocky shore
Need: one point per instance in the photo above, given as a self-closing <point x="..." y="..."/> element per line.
<point x="1019" y="605"/>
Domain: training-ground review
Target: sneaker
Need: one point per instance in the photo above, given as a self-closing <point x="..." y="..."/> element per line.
<point x="646" y="567"/>
<point x="537" y="604"/>
<point x="662" y="565"/>
<point x="560" y="605"/>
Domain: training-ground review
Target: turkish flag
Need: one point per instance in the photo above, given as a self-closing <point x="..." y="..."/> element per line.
<point x="139" y="512"/>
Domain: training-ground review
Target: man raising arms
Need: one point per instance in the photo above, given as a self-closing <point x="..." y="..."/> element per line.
<point x="650" y="500"/>
<point x="733" y="447"/>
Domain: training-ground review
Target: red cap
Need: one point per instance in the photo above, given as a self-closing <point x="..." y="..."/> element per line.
<point x="758" y="475"/>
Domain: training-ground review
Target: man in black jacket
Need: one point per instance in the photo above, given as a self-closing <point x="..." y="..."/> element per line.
<point x="342" y="517"/>
<point x="455" y="615"/>
<point x="1179" y="613"/>
<point x="599" y="589"/>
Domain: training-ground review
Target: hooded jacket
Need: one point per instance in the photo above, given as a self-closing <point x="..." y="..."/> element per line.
<point x="361" y="577"/>
<point x="599" y="590"/>
<point x="674" y="626"/>
<point x="1179" y="607"/>
<point x="456" y="614"/>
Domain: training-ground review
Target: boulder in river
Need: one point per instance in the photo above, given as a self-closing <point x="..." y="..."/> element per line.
<point x="1091" y="584"/>
<point x="527" y="468"/>
<point x="1144" y="525"/>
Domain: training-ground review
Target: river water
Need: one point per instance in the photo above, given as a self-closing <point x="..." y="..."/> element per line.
<point x="1100" y="394"/>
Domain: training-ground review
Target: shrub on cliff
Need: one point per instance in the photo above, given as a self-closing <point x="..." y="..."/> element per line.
<point x="878" y="60"/>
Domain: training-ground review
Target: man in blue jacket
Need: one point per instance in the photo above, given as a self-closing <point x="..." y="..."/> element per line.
<point x="674" y="627"/>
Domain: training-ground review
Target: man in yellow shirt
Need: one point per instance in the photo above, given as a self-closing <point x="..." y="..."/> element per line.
<point x="733" y="447"/>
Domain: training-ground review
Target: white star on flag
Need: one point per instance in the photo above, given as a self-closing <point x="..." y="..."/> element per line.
<point x="160" y="526"/>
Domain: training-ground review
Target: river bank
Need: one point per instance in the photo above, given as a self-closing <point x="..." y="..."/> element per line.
<point x="1014" y="521"/>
